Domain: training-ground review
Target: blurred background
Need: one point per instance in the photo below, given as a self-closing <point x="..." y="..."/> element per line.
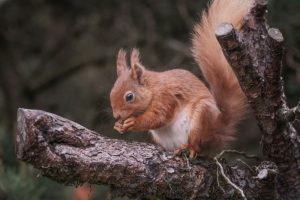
<point x="59" y="56"/>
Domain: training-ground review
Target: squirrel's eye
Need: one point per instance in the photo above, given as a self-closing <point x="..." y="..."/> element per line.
<point x="129" y="96"/>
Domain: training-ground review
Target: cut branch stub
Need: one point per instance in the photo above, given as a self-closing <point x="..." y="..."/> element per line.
<point x="238" y="57"/>
<point x="272" y="73"/>
<point x="226" y="34"/>
<point x="276" y="35"/>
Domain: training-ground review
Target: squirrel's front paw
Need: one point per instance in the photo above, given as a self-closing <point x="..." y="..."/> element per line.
<point x="128" y="124"/>
<point x="125" y="126"/>
<point x="118" y="127"/>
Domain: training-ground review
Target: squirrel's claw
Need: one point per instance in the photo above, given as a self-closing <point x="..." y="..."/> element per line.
<point x="192" y="154"/>
<point x="185" y="147"/>
<point x="180" y="149"/>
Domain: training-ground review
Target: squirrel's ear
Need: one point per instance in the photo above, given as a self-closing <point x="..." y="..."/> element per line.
<point x="121" y="62"/>
<point x="137" y="69"/>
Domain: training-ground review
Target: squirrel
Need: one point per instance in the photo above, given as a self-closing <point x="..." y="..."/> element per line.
<point x="179" y="110"/>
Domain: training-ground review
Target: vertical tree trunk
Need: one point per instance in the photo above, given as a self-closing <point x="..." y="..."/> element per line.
<point x="255" y="54"/>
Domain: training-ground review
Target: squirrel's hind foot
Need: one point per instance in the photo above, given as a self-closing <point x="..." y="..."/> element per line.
<point x="186" y="149"/>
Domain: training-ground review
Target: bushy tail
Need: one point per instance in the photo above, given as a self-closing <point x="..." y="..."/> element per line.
<point x="215" y="68"/>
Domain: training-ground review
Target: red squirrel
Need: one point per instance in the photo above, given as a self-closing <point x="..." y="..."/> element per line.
<point x="174" y="105"/>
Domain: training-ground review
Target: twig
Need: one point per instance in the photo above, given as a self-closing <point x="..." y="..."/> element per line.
<point x="218" y="182"/>
<point x="232" y="151"/>
<point x="223" y="173"/>
<point x="187" y="163"/>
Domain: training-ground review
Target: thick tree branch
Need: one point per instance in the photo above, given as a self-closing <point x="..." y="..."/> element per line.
<point x="71" y="154"/>
<point x="255" y="54"/>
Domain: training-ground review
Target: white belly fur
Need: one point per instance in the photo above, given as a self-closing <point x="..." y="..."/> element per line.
<point x="174" y="134"/>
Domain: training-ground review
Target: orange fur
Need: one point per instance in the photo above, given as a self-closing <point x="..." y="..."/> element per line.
<point x="208" y="53"/>
<point x="175" y="105"/>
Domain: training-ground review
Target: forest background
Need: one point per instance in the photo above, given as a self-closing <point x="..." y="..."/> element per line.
<point x="59" y="56"/>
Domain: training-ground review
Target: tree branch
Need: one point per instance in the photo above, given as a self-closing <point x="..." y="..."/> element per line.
<point x="71" y="154"/>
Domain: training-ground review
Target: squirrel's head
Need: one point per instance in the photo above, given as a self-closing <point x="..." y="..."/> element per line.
<point x="130" y="95"/>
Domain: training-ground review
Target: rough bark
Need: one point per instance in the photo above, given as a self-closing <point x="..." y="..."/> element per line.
<point x="71" y="154"/>
<point x="255" y="54"/>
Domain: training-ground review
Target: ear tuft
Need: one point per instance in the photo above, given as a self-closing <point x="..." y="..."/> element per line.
<point x="137" y="68"/>
<point x="135" y="57"/>
<point x="121" y="62"/>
